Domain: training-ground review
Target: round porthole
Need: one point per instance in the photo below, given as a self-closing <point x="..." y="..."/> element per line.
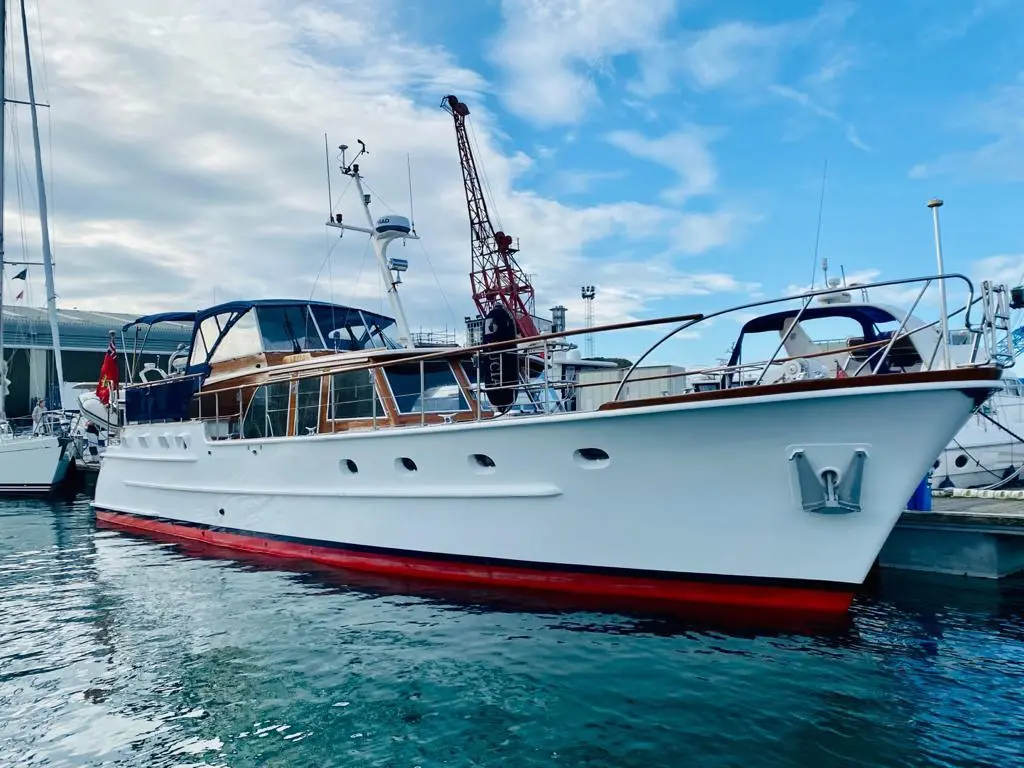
<point x="405" y="464"/>
<point x="936" y="464"/>
<point x="348" y="467"/>
<point x="481" y="463"/>
<point x="591" y="458"/>
<point x="960" y="461"/>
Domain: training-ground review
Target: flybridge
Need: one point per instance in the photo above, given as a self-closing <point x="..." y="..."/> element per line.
<point x="242" y="328"/>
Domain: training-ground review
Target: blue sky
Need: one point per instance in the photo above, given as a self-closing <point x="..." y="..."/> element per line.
<point x="670" y="154"/>
<point x="728" y="111"/>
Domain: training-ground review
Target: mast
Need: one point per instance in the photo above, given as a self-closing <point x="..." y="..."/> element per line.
<point x="51" y="293"/>
<point x="382" y="234"/>
<point x="3" y="179"/>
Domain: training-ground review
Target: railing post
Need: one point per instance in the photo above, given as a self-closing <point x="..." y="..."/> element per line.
<point x="896" y="335"/>
<point x="782" y="342"/>
<point x="373" y="395"/>
<point x="479" y="386"/>
<point x="423" y="395"/>
<point x="544" y="379"/>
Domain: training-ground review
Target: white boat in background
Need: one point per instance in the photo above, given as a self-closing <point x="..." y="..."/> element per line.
<point x="35" y="461"/>
<point x="984" y="453"/>
<point x="302" y="429"/>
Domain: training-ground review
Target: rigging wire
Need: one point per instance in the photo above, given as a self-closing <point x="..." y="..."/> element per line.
<point x="483" y="176"/>
<point x="1004" y="480"/>
<point x="437" y="280"/>
<point x="378" y="196"/>
<point x="51" y="197"/>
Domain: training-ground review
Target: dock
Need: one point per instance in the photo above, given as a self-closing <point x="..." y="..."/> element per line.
<point x="966" y="533"/>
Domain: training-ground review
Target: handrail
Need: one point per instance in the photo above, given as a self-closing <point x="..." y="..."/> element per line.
<point x="810" y="294"/>
<point x="316" y="365"/>
<point x="896" y="335"/>
<point x="565" y="387"/>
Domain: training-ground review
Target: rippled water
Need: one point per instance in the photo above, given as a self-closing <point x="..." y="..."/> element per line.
<point x="116" y="650"/>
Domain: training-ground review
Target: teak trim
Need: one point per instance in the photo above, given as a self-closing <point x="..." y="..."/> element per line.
<point x="971" y="378"/>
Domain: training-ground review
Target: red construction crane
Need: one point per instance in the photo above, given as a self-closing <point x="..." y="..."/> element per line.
<point x="495" y="275"/>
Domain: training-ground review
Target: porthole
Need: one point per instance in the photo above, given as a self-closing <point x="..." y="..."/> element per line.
<point x="405" y="464"/>
<point x="960" y="461"/>
<point x="936" y="464"/>
<point x="348" y="467"/>
<point x="482" y="463"/>
<point x="591" y="458"/>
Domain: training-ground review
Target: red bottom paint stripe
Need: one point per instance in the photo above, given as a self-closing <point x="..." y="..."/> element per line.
<point x="747" y="594"/>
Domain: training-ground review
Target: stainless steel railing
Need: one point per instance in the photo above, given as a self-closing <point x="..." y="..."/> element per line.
<point x="367" y="393"/>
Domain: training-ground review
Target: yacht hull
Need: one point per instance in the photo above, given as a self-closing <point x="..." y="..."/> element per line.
<point x="30" y="465"/>
<point x="982" y="453"/>
<point x="696" y="502"/>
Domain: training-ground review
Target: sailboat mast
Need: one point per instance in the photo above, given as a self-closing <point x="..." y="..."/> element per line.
<point x="3" y="179"/>
<point x="51" y="293"/>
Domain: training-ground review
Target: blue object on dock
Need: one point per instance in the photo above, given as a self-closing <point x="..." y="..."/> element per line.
<point x="921" y="501"/>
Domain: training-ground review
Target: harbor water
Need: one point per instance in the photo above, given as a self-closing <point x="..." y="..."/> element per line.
<point x="120" y="650"/>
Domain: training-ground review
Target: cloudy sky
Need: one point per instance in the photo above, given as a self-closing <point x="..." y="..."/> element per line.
<point x="670" y="155"/>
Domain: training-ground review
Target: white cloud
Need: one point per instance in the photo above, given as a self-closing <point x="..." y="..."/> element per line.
<point x="685" y="152"/>
<point x="1007" y="269"/>
<point x="623" y="286"/>
<point x="740" y="54"/>
<point x="699" y="232"/>
<point x="187" y="151"/>
<point x="551" y="50"/>
<point x="577" y="182"/>
<point x="997" y="116"/>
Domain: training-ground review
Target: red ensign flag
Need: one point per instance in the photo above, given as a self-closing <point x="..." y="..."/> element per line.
<point x="108" y="374"/>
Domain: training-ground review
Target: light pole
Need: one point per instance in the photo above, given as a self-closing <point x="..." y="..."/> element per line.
<point x="935" y="203"/>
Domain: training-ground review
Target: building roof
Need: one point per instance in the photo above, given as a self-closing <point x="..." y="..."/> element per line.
<point x="84" y="331"/>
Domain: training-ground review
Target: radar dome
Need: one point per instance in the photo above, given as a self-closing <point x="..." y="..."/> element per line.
<point x="393" y="223"/>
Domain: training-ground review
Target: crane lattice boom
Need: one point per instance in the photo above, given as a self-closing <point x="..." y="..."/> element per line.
<point x="495" y="276"/>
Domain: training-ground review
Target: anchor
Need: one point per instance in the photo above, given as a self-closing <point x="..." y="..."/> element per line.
<point x="827" y="492"/>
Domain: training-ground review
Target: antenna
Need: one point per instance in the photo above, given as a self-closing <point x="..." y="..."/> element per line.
<point x="817" y="234"/>
<point x="330" y="197"/>
<point x="408" y="172"/>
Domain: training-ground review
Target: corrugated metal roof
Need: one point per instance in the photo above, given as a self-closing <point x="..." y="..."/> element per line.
<point x="85" y="331"/>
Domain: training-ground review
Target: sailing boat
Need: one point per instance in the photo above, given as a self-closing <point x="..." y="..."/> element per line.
<point x="36" y="462"/>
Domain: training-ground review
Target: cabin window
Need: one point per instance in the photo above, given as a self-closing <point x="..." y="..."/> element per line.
<point x="288" y="329"/>
<point x="440" y="389"/>
<point x="347" y="338"/>
<point x="353" y="396"/>
<point x="351" y="330"/>
<point x="241" y="339"/>
<point x="307" y="406"/>
<point x="267" y="414"/>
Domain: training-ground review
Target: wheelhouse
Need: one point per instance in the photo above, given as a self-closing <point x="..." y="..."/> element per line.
<point x="273" y="368"/>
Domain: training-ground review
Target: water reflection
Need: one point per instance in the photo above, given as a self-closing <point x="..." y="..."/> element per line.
<point x="119" y="648"/>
